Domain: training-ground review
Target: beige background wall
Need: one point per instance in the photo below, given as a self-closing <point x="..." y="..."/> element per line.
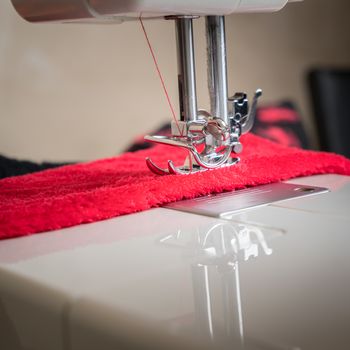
<point x="79" y="92"/>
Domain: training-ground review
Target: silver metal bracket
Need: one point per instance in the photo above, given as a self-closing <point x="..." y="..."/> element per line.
<point x="227" y="205"/>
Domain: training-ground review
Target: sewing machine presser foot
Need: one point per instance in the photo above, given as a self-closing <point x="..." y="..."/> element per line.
<point x="209" y="140"/>
<point x="184" y="170"/>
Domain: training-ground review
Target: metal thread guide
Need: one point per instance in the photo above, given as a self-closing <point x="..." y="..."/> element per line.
<point x="210" y="137"/>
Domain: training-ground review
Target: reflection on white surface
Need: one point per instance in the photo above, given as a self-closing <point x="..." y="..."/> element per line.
<point x="216" y="251"/>
<point x="222" y="239"/>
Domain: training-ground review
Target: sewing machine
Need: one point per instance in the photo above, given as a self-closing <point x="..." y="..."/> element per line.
<point x="209" y="136"/>
<point x="206" y="274"/>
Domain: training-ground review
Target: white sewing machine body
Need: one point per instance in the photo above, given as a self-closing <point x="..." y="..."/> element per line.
<point x="273" y="277"/>
<point x="120" y="10"/>
<point x="269" y="277"/>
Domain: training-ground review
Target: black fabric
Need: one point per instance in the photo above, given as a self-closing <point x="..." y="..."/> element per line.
<point x="330" y="93"/>
<point x="13" y="167"/>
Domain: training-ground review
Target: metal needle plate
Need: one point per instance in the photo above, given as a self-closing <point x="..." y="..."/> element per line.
<point x="223" y="205"/>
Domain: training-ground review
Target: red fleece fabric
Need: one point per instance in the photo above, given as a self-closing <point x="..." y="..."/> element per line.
<point x="102" y="189"/>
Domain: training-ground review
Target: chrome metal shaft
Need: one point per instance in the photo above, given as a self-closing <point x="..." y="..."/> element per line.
<point x="186" y="69"/>
<point x="217" y="66"/>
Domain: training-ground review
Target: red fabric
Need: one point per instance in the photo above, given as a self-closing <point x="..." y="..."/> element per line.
<point x="103" y="189"/>
<point x="279" y="135"/>
<point x="278" y="114"/>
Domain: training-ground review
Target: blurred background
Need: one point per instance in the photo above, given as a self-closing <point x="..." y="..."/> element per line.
<point x="81" y="92"/>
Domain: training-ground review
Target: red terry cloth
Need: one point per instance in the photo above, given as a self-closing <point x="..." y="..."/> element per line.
<point x="102" y="189"/>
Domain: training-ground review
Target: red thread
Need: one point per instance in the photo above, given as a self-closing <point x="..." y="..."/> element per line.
<point x="160" y="75"/>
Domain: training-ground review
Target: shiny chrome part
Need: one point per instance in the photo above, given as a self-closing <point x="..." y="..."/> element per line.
<point x="155" y="168"/>
<point x="224" y="205"/>
<point x="210" y="138"/>
<point x="240" y="113"/>
<point x="172" y="17"/>
<point x="213" y="155"/>
<point x="186" y="69"/>
<point x="172" y="169"/>
<point x="217" y="66"/>
<point x="249" y="121"/>
<point x="218" y="138"/>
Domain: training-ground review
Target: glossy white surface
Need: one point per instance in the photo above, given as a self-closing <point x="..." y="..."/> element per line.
<point x="211" y="7"/>
<point x="276" y="277"/>
<point x="119" y="10"/>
